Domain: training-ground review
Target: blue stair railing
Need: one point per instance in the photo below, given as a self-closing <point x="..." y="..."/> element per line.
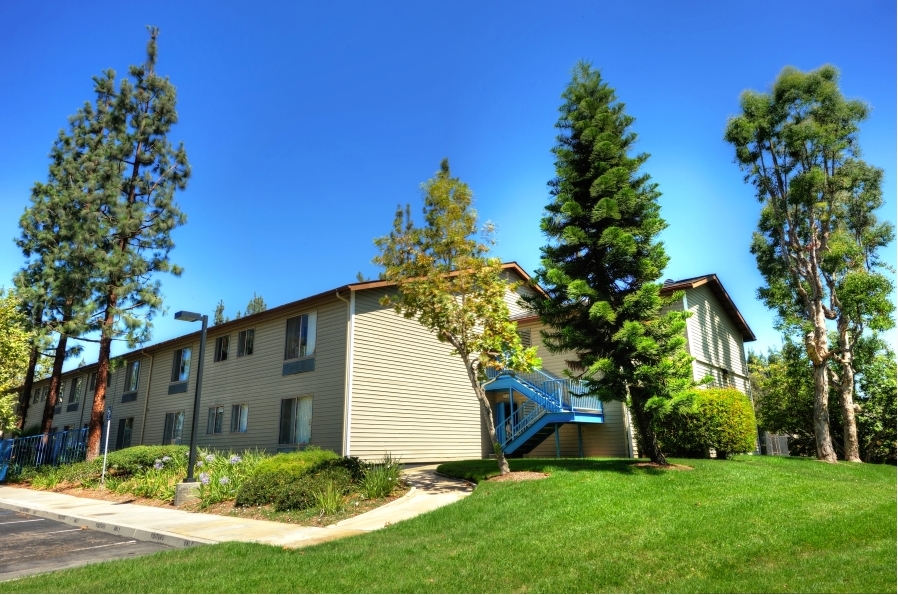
<point x="548" y="394"/>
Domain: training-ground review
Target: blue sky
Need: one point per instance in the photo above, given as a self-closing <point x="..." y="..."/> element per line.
<point x="306" y="124"/>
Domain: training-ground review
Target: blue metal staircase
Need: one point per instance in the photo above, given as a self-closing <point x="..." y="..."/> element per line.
<point x="550" y="402"/>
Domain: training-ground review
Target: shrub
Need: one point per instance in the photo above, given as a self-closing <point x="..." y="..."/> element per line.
<point x="272" y="476"/>
<point x="718" y="418"/>
<point x="355" y="467"/>
<point x="142" y="458"/>
<point x="301" y="493"/>
<point x="380" y="479"/>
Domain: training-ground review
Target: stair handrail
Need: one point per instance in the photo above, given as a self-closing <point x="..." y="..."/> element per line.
<point x="565" y="394"/>
<point x="528" y="418"/>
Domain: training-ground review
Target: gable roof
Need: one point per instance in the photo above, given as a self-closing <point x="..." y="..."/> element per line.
<point x="720" y="293"/>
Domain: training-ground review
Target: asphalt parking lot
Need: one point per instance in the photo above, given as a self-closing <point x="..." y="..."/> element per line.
<point x="31" y="544"/>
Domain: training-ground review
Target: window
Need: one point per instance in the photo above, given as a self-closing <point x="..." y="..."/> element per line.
<point x="296" y="421"/>
<point x="239" y="415"/>
<point x="132" y="376"/>
<point x="75" y="394"/>
<point x="524" y="334"/>
<point x="245" y="342"/>
<point x="92" y="382"/>
<point x="77" y="390"/>
<point x="180" y="370"/>
<point x="221" y="348"/>
<point x="216" y="418"/>
<point x="38" y="394"/>
<point x="300" y="336"/>
<point x="174" y="428"/>
<point x="123" y="438"/>
<point x="45" y="392"/>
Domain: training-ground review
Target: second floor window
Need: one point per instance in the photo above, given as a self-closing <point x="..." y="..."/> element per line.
<point x="92" y="382"/>
<point x="245" y="341"/>
<point x="301" y="336"/>
<point x="221" y="348"/>
<point x="77" y="390"/>
<point x="132" y="376"/>
<point x="180" y="370"/>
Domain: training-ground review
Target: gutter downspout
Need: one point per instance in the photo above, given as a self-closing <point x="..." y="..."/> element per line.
<point x="350" y="345"/>
<point x="146" y="402"/>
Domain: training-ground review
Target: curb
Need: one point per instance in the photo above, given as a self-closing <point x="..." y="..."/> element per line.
<point x="464" y="481"/>
<point x="163" y="537"/>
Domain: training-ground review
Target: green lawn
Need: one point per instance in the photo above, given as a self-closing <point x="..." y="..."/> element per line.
<point x="753" y="524"/>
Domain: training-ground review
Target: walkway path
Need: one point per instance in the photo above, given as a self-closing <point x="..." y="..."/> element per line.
<point x="183" y="529"/>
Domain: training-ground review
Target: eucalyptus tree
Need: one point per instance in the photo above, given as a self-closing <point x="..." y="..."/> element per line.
<point x="817" y="239"/>
<point x="601" y="267"/>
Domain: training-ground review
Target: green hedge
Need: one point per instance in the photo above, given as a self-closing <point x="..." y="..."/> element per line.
<point x="300" y="494"/>
<point x="137" y="459"/>
<point x="718" y="418"/>
<point x="274" y="475"/>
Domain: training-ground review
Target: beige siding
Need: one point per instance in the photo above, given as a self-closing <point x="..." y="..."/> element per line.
<point x="257" y="381"/>
<point x="410" y="396"/>
<point x="608" y="439"/>
<point x="714" y="341"/>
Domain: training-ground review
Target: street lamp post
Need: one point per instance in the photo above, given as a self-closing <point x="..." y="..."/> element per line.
<point x="186" y="488"/>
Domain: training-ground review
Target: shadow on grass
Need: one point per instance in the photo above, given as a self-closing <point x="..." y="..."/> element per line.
<point x="479" y="470"/>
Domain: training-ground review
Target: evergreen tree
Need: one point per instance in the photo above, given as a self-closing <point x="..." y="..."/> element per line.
<point x="127" y="180"/>
<point x="601" y="267"/>
<point x="219" y="317"/>
<point x="817" y="237"/>
<point x="256" y="304"/>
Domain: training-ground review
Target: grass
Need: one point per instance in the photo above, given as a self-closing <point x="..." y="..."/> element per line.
<point x="753" y="524"/>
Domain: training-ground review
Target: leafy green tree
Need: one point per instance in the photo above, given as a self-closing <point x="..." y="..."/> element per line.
<point x="15" y="346"/>
<point x="126" y="172"/>
<point x="446" y="280"/>
<point x="601" y="267"/>
<point x="783" y="390"/>
<point x="816" y="242"/>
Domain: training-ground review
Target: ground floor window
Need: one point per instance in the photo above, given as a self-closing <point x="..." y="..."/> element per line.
<point x="296" y="420"/>
<point x="239" y="416"/>
<point x="216" y="418"/>
<point x="123" y="438"/>
<point x="174" y="428"/>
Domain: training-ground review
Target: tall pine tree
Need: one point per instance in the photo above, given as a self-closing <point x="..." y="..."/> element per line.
<point x="138" y="178"/>
<point x="603" y="260"/>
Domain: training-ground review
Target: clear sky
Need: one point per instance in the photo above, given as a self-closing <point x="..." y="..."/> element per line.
<point x="306" y="123"/>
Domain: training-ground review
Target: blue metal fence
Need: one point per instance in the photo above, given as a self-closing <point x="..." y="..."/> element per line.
<point x="57" y="448"/>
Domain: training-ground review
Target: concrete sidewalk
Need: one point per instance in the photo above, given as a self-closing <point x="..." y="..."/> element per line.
<point x="178" y="528"/>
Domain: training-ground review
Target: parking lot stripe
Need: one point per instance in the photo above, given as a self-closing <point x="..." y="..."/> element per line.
<point x="28" y="521"/>
<point x="107" y="545"/>
<point x="63" y="531"/>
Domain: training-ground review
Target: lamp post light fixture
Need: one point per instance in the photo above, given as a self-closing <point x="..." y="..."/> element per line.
<point x="186" y="488"/>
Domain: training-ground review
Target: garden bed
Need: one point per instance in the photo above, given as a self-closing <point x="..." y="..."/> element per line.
<point x="311" y="487"/>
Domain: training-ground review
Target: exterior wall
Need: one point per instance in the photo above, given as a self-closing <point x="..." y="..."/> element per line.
<point x="714" y="341"/>
<point x="608" y="439"/>
<point x="410" y="397"/>
<point x="257" y="380"/>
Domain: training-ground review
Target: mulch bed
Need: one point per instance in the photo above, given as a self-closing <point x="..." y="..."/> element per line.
<point x="519" y="476"/>
<point x="669" y="467"/>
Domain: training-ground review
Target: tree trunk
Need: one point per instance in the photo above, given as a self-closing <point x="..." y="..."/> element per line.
<point x="487" y="412"/>
<point x="95" y="431"/>
<point x="54" y="396"/>
<point x="825" y="450"/>
<point x="27" y="388"/>
<point x="849" y="424"/>
<point x="646" y="431"/>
